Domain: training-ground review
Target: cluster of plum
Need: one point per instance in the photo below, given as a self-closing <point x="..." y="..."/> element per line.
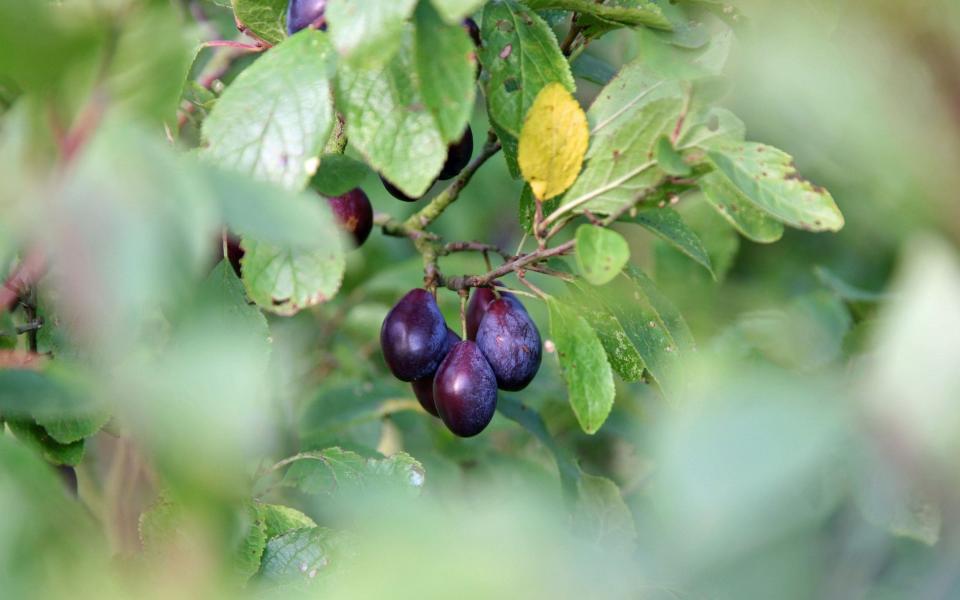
<point x="457" y="380"/>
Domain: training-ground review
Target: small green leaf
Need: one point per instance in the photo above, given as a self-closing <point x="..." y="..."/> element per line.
<point x="593" y="69"/>
<point x="389" y="124"/>
<point x="247" y="554"/>
<point x="285" y="281"/>
<point x="446" y="69"/>
<point x="622" y="12"/>
<point x="527" y="209"/>
<point x="338" y="471"/>
<point x="521" y="55"/>
<point x="274" y="119"/>
<point x="769" y="179"/>
<point x="671" y="317"/>
<point x="228" y="308"/>
<point x="670" y="160"/>
<point x="667" y="224"/>
<point x="305" y="556"/>
<point x="601" y="253"/>
<point x="368" y="32"/>
<point x="338" y="174"/>
<point x="278" y="519"/>
<point x="753" y="223"/>
<point x="584" y="365"/>
<point x="267" y="19"/>
<point x="52" y="451"/>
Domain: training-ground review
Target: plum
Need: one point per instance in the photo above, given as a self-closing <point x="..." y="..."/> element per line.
<point x="234" y="253"/>
<point x="305" y="13"/>
<point x="423" y="388"/>
<point x="477" y="307"/>
<point x="510" y="341"/>
<point x="413" y="336"/>
<point x="354" y="213"/>
<point x="458" y="156"/>
<point x="465" y="390"/>
<point x="473" y="30"/>
<point x="396" y="192"/>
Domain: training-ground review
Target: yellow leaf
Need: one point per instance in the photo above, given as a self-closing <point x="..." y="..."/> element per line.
<point x="553" y="142"/>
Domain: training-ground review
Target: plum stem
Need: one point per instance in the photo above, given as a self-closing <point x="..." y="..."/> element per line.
<point x="463" y="312"/>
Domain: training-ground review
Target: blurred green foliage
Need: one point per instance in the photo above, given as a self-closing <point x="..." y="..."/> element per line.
<point x="808" y="451"/>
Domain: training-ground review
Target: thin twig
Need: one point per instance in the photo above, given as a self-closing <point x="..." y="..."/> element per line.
<point x="429" y="213"/>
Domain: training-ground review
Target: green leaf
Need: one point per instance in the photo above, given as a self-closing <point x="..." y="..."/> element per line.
<point x="60" y="399"/>
<point x="268" y="213"/>
<point x="52" y="451"/>
<point x="593" y="69"/>
<point x="446" y="69"/>
<point x="584" y="365"/>
<point x="278" y="519"/>
<point x="530" y="420"/>
<point x="685" y="31"/>
<point x="368" y="32"/>
<point x="304" y="556"/>
<point x="229" y="310"/>
<point x="70" y="429"/>
<point x="624" y="12"/>
<point x="521" y="56"/>
<point x="601" y="253"/>
<point x="645" y="328"/>
<point x="338" y="174"/>
<point x="670" y="160"/>
<point x="454" y="11"/>
<point x="527" y="208"/>
<point x="274" y="119"/>
<point x="667" y="224"/>
<point x="753" y="223"/>
<point x="845" y="290"/>
<point x="768" y="178"/>
<point x="621" y="353"/>
<point x="621" y="166"/>
<point x="389" y="124"/>
<point x="285" y="281"/>
<point x="671" y="317"/>
<point x="602" y="514"/>
<point x="267" y="19"/>
<point x="338" y="471"/>
<point x="511" y="148"/>
<point x="247" y="554"/>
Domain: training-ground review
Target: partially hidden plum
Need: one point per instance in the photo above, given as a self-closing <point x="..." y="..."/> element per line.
<point x="305" y="13"/>
<point x="354" y="213"/>
<point x="458" y="156"/>
<point x="423" y="388"/>
<point x="510" y="341"/>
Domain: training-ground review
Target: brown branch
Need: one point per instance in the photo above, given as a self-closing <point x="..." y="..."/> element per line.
<point x="518" y="263"/>
<point x="475" y="247"/>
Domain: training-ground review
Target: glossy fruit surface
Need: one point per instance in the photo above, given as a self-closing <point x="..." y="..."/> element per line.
<point x="413" y="336"/>
<point x="354" y="213"/>
<point x="473" y="30"/>
<point x="465" y="390"/>
<point x="395" y="191"/>
<point x="458" y="156"/>
<point x="423" y="388"/>
<point x="477" y="307"/>
<point x="510" y="341"/>
<point x="304" y="13"/>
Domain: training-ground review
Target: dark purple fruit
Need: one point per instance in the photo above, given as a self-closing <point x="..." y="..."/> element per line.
<point x="414" y="336"/>
<point x="477" y="307"/>
<point x="395" y="191"/>
<point x="509" y="340"/>
<point x="69" y="477"/>
<point x="234" y="253"/>
<point x="354" y="213"/>
<point x="465" y="390"/>
<point x="458" y="156"/>
<point x="305" y="13"/>
<point x="423" y="388"/>
<point x="471" y="27"/>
